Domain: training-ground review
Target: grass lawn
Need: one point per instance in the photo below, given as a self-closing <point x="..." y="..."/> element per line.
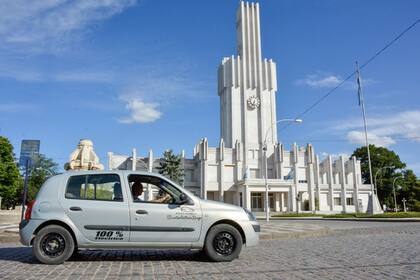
<point x="292" y="215"/>
<point x="352" y="215"/>
<point x="384" y="215"/>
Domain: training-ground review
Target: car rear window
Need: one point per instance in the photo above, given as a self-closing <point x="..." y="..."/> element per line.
<point x="95" y="187"/>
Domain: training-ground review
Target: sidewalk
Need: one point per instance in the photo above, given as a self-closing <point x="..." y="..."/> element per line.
<point x="260" y="219"/>
<point x="290" y="230"/>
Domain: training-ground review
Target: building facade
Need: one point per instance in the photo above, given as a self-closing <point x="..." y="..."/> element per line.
<point x="235" y="171"/>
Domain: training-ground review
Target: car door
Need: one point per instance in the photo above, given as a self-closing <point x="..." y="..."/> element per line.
<point x="167" y="221"/>
<point x="97" y="204"/>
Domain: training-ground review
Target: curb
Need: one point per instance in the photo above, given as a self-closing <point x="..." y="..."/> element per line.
<point x="398" y="220"/>
<point x="9" y="238"/>
<point x="401" y="220"/>
<point x="292" y="235"/>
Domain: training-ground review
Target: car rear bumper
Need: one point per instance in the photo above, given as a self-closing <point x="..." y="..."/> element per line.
<point x="27" y="229"/>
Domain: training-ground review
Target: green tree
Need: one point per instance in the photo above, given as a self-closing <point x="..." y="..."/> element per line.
<point x="9" y="174"/>
<point x="171" y="167"/>
<point x="408" y="187"/>
<point x="42" y="168"/>
<point x="390" y="166"/>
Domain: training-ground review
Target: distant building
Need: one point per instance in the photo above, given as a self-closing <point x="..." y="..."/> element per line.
<point x="233" y="171"/>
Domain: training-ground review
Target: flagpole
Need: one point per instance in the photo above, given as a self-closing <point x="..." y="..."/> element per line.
<point x="362" y="104"/>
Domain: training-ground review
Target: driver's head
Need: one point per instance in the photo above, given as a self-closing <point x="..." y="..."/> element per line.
<point x="137" y="189"/>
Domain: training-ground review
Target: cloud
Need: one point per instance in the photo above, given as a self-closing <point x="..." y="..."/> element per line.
<point x="335" y="155"/>
<point x="100" y="77"/>
<point x="323" y="80"/>
<point x="141" y="112"/>
<point x="50" y="23"/>
<point x="358" y="137"/>
<point x="14" y="107"/>
<point x="384" y="130"/>
<point x="25" y="75"/>
<point x="320" y="81"/>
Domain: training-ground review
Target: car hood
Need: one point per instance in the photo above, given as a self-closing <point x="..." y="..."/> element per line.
<point x="217" y="205"/>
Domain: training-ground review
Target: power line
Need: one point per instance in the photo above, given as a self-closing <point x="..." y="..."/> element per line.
<point x="378" y="53"/>
<point x="345" y="140"/>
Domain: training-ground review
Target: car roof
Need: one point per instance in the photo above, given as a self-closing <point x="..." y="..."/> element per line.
<point x="122" y="172"/>
<point x="119" y="172"/>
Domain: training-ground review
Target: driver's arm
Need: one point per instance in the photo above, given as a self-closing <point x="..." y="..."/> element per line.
<point x="163" y="199"/>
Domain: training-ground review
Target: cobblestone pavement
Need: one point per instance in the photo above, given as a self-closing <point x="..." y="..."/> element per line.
<point x="389" y="251"/>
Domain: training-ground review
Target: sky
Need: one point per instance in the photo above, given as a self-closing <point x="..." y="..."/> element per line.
<point x="143" y="74"/>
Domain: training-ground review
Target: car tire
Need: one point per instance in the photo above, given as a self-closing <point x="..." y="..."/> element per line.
<point x="53" y="245"/>
<point x="223" y="243"/>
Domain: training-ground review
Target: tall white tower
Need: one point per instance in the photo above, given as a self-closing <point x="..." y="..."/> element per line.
<point x="247" y="85"/>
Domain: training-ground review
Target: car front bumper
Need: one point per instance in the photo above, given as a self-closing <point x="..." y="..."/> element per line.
<point x="251" y="230"/>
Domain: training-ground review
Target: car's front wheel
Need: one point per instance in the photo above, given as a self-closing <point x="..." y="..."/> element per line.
<point x="53" y="245"/>
<point x="223" y="243"/>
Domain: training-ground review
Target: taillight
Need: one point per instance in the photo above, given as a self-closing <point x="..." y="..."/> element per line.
<point x="29" y="209"/>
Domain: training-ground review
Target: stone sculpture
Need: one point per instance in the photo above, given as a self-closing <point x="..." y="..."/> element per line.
<point x="84" y="158"/>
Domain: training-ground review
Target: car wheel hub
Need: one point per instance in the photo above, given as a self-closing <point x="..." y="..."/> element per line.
<point x="224" y="243"/>
<point x="53" y="245"/>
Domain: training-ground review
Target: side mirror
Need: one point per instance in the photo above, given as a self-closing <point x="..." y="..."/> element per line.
<point x="183" y="198"/>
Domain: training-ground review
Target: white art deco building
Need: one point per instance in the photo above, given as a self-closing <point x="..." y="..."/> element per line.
<point x="233" y="172"/>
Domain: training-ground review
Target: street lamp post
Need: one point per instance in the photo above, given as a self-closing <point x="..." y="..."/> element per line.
<point x="267" y="203"/>
<point x="393" y="189"/>
<point x="376" y="174"/>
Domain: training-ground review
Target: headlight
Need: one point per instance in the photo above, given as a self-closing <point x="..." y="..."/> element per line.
<point x="251" y="216"/>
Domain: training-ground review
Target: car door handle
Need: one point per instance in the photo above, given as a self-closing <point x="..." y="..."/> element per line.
<point x="75" y="208"/>
<point x="141" y="212"/>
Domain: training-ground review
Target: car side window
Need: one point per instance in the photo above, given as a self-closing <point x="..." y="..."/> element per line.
<point x="152" y="189"/>
<point x="105" y="187"/>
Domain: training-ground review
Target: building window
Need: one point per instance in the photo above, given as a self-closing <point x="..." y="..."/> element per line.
<point x="256" y="201"/>
<point x="337" y="200"/>
<point x="349" y="201"/>
<point x="303" y="181"/>
<point x="254" y="173"/>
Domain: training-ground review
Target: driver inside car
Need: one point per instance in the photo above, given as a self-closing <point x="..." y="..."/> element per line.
<point x="137" y="191"/>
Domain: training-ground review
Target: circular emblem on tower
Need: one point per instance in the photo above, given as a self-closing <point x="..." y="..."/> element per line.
<point x="253" y="102"/>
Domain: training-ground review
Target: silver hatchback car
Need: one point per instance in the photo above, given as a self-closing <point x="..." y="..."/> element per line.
<point x="130" y="209"/>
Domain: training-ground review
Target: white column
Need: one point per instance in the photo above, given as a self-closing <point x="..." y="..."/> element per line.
<point x="150" y="169"/>
<point x="355" y="184"/>
<point x="277" y="202"/>
<point x="295" y="203"/>
<point x="292" y="199"/>
<point x="203" y="159"/>
<point x="283" y="202"/>
<point x="317" y="180"/>
<point x="311" y="176"/>
<point x="247" y="198"/>
<point x="330" y="183"/>
<point x="343" y="184"/>
<point x="221" y="167"/>
<point x="133" y="159"/>
<point x="150" y="164"/>
<point x="110" y="161"/>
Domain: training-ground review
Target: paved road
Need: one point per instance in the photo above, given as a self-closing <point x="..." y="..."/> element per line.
<point x="358" y="251"/>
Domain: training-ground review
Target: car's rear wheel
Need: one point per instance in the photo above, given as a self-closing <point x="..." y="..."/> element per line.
<point x="53" y="245"/>
<point x="223" y="243"/>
